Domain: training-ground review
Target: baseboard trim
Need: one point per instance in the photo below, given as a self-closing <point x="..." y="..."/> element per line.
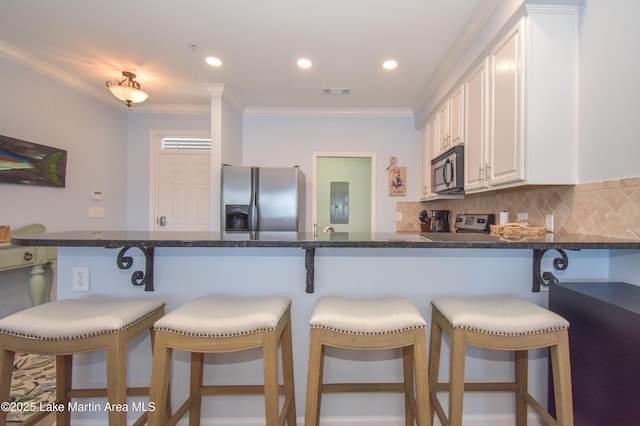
<point x="469" y="420"/>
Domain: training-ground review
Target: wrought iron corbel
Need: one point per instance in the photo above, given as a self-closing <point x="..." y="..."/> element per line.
<point x="541" y="279"/>
<point x="138" y="278"/>
<point x="309" y="258"/>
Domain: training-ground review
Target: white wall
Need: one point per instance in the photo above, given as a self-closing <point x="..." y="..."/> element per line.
<point x="232" y="134"/>
<point x="608" y="105"/>
<point x="289" y="141"/>
<point x="38" y="109"/>
<point x="140" y="126"/>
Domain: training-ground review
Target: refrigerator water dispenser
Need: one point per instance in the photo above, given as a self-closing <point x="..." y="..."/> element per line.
<point x="237" y="217"/>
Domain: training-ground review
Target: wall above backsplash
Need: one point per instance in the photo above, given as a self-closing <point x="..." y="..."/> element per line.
<point x="610" y="208"/>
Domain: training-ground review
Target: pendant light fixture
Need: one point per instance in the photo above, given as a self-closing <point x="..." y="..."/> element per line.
<point x="127" y="89"/>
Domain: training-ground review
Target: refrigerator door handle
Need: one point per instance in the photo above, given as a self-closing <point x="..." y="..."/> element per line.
<point x="253" y="202"/>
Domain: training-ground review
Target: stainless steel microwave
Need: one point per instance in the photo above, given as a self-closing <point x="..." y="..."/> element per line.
<point x="447" y="172"/>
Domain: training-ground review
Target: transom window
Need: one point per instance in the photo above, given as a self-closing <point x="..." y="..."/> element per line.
<point x="186" y="144"/>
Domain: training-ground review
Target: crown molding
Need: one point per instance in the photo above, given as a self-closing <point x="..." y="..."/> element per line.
<point x="170" y="109"/>
<point x="327" y="112"/>
<point x="27" y="60"/>
<point x="478" y="19"/>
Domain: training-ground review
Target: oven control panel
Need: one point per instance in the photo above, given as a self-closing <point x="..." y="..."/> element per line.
<point x="474" y="222"/>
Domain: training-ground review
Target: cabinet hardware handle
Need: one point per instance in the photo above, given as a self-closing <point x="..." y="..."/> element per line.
<point x="28" y="256"/>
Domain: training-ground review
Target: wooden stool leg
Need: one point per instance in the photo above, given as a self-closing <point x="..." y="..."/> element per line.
<point x="286" y="347"/>
<point x="521" y="363"/>
<point x="409" y="392"/>
<point x="195" y="388"/>
<point x="561" y="365"/>
<point x="435" y="346"/>
<point x="64" y="364"/>
<point x="117" y="380"/>
<point x="159" y="388"/>
<point x="456" y="379"/>
<point x="314" y="380"/>
<point x="271" y="392"/>
<point x="7" y="359"/>
<point x="423" y="405"/>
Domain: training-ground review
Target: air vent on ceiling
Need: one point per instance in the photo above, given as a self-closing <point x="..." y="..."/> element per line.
<point x="336" y="91"/>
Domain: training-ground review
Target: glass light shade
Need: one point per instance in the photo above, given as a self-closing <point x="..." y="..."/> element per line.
<point x="128" y="94"/>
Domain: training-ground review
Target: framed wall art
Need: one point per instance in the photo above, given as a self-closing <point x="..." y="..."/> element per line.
<point x="28" y="163"/>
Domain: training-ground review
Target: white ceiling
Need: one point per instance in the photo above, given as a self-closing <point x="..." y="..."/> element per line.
<point x="84" y="43"/>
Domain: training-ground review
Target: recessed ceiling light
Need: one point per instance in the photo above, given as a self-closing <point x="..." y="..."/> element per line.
<point x="213" y="61"/>
<point x="390" y="64"/>
<point x="304" y="63"/>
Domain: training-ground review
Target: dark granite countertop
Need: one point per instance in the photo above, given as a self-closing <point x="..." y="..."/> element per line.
<point x="115" y="239"/>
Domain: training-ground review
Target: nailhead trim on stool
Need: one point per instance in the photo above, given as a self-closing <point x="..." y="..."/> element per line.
<point x="67" y="327"/>
<point x="369" y="324"/>
<point x="499" y="323"/>
<point x="222" y="324"/>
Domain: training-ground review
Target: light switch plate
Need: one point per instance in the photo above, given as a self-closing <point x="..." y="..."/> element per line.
<point x="96" y="212"/>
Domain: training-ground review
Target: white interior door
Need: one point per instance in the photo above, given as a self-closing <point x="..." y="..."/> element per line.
<point x="183" y="191"/>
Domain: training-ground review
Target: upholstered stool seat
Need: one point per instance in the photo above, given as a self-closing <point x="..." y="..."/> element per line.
<point x="500" y="323"/>
<point x="369" y="324"/>
<point x="67" y="327"/>
<point x="217" y="324"/>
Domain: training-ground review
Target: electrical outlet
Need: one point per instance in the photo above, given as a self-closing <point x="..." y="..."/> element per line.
<point x="549" y="222"/>
<point x="522" y="216"/>
<point x="398" y="216"/>
<point x="80" y="278"/>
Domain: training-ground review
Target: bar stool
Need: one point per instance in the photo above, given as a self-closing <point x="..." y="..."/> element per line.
<point x="216" y="324"/>
<point x="499" y="323"/>
<point x="369" y="324"/>
<point x="67" y="327"/>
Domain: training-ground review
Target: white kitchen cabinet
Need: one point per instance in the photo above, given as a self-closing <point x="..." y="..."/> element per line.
<point x="450" y="122"/>
<point x="506" y="130"/>
<point x="476" y="148"/>
<point x="456" y="117"/>
<point x="532" y="77"/>
<point x="442" y="130"/>
<point x="427" y="139"/>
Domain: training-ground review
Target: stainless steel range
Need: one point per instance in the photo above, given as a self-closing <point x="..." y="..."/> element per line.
<point x="479" y="223"/>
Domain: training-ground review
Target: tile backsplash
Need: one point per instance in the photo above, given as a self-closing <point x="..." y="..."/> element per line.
<point x="610" y="208"/>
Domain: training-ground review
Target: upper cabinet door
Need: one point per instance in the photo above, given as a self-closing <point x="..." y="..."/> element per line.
<point x="456" y="117"/>
<point x="450" y="119"/>
<point x="476" y="109"/>
<point x="506" y="160"/>
<point x="444" y="135"/>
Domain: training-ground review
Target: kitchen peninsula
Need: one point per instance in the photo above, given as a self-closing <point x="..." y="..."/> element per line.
<point x="417" y="266"/>
<point x="148" y="241"/>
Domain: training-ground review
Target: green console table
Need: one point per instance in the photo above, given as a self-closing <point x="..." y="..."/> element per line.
<point x="37" y="259"/>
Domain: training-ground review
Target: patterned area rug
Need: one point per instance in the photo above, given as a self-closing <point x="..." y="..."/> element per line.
<point x="34" y="382"/>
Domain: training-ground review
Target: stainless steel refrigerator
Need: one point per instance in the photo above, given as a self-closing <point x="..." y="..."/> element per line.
<point x="262" y="199"/>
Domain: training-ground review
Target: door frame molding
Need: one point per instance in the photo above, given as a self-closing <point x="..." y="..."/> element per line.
<point x="155" y="144"/>
<point x="314" y="186"/>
